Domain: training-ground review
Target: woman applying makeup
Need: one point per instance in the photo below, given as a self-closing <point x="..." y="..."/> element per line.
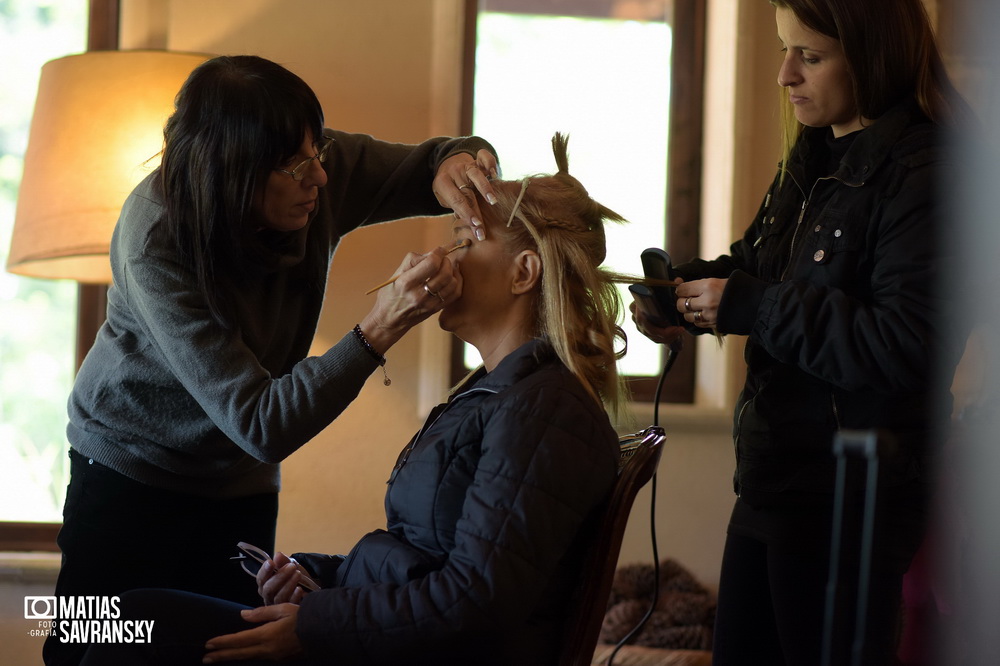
<point x="200" y="382"/>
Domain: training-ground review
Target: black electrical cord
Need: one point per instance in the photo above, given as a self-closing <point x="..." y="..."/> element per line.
<point x="672" y="350"/>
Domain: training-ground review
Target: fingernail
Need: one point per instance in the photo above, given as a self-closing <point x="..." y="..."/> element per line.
<point x="479" y="233"/>
<point x="476" y="222"/>
<point x="492" y="199"/>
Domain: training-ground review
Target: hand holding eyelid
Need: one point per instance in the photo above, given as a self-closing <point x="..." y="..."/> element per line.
<point x="465" y="242"/>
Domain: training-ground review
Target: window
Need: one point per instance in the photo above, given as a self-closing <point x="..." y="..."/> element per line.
<point x="600" y="71"/>
<point x="41" y="322"/>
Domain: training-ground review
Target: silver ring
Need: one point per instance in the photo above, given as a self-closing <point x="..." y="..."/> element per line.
<point x="697" y="315"/>
<point x="433" y="293"/>
<point x="687" y="304"/>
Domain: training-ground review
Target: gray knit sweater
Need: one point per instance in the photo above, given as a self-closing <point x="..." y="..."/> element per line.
<point x="171" y="399"/>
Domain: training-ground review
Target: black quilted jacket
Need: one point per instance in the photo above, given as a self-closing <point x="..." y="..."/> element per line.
<point x="839" y="284"/>
<point x="484" y="512"/>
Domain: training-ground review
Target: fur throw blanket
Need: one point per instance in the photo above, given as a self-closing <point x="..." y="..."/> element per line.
<point x="682" y="619"/>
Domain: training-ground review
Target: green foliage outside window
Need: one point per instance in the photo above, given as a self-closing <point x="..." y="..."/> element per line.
<point x="37" y="317"/>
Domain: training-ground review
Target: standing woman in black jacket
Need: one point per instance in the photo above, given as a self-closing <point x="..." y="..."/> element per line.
<point x="838" y="286"/>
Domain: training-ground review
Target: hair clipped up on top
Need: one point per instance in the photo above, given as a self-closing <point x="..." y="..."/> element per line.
<point x="560" y="148"/>
<point x="579" y="306"/>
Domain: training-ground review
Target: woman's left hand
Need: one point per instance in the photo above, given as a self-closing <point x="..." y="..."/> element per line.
<point x="699" y="301"/>
<point x="664" y="335"/>
<point x="455" y="180"/>
<point x="279" y="580"/>
<point x="274" y="640"/>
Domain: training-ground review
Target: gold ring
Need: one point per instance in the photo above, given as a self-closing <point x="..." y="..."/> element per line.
<point x="687" y="304"/>
<point x="465" y="187"/>
<point x="697" y="315"/>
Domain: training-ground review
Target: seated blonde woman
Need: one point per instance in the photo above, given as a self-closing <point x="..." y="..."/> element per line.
<point x="487" y="507"/>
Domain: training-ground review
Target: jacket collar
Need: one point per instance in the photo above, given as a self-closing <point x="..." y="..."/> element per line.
<point x="869" y="151"/>
<point x="513" y="368"/>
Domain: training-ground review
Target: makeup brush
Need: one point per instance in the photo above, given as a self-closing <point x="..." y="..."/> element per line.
<point x="465" y="243"/>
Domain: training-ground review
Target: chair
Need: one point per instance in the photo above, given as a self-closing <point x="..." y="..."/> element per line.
<point x="640" y="455"/>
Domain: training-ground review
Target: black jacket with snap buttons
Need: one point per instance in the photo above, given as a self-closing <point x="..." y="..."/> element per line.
<point x="838" y="284"/>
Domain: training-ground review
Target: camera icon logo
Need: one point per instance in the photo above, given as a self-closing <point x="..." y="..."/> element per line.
<point x="40" y="608"/>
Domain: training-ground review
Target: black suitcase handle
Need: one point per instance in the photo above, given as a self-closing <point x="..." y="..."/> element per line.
<point x="865" y="444"/>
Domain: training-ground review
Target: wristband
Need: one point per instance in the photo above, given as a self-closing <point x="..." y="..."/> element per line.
<point x="371" y="350"/>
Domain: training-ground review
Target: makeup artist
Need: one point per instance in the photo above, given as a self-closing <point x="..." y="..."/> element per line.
<point x="198" y="384"/>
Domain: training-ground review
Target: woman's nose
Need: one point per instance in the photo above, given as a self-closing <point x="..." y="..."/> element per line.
<point x="315" y="174"/>
<point x="788" y="74"/>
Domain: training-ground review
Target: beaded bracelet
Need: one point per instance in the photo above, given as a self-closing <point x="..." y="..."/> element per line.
<point x="371" y="350"/>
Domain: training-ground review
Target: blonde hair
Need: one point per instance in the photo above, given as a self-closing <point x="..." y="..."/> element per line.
<point x="578" y="306"/>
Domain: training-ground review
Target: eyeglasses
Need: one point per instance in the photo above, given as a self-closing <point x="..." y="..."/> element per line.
<point x="252" y="558"/>
<point x="299" y="172"/>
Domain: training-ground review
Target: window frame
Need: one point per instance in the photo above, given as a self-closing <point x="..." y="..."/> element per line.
<point x="684" y="161"/>
<point x="683" y="204"/>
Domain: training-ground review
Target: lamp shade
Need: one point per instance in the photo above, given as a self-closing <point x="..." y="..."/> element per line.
<point x="97" y="130"/>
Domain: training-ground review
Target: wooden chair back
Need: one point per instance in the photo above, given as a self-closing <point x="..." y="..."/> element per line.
<point x="640" y="455"/>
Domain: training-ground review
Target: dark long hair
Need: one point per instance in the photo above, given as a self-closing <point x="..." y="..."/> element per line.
<point x="891" y="54"/>
<point x="236" y="118"/>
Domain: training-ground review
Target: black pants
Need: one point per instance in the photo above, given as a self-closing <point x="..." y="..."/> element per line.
<point x="771" y="610"/>
<point x="773" y="585"/>
<point x="119" y="534"/>
<point x="182" y="623"/>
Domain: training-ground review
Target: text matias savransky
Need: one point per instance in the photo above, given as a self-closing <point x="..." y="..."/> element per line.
<point x="85" y="620"/>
